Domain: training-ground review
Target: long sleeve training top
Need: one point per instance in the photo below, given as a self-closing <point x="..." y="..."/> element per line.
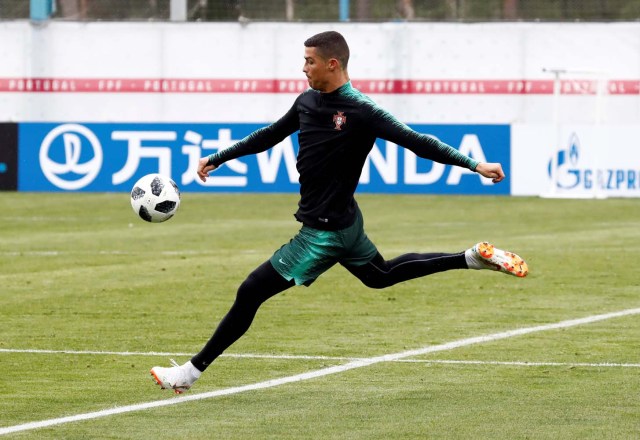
<point x="337" y="131"/>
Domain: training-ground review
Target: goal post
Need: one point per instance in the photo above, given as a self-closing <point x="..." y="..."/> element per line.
<point x="578" y="108"/>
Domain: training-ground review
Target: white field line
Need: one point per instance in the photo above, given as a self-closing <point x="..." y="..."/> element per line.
<point x="165" y="354"/>
<point x="319" y="373"/>
<point x="331" y="358"/>
<point x="55" y="253"/>
<point x="520" y="363"/>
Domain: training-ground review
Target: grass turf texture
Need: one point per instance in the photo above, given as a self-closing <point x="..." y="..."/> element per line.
<point x="81" y="272"/>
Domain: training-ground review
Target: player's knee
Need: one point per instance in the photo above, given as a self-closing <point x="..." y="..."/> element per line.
<point x="379" y="281"/>
<point x="249" y="291"/>
<point x="375" y="274"/>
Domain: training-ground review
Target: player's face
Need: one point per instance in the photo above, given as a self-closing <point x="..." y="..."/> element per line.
<point x="316" y="69"/>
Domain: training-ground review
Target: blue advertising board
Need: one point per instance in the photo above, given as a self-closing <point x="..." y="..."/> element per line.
<point x="111" y="157"/>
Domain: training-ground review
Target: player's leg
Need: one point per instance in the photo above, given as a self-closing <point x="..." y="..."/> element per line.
<point x="310" y="253"/>
<point x="379" y="273"/>
<point x="263" y="283"/>
<point x="365" y="262"/>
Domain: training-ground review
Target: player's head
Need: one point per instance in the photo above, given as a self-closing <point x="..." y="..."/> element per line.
<point x="326" y="56"/>
<point x="330" y="44"/>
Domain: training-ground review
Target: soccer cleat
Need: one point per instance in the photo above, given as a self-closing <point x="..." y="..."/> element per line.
<point x="176" y="378"/>
<point x="486" y="256"/>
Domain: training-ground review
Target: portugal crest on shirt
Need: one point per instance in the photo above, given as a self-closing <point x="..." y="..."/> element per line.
<point x="339" y="119"/>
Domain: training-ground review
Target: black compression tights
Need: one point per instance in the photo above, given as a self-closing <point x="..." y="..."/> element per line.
<point x="265" y="282"/>
<point x="380" y="273"/>
<point x="260" y="285"/>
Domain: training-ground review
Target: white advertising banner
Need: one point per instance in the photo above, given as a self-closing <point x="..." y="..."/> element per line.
<point x="575" y="160"/>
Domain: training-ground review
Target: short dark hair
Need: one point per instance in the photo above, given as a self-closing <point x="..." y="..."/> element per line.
<point x="330" y="44"/>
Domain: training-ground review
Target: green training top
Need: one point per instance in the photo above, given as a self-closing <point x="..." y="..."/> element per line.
<point x="337" y="131"/>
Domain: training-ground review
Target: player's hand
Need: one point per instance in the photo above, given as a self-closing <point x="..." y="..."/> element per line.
<point x="204" y="169"/>
<point x="492" y="171"/>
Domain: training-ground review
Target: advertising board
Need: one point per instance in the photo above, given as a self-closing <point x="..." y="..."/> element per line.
<point x="576" y="160"/>
<point x="111" y="157"/>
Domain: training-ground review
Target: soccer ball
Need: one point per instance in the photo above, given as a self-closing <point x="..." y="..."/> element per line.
<point x="155" y="198"/>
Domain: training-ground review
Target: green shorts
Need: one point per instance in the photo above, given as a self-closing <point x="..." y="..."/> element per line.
<point x="312" y="252"/>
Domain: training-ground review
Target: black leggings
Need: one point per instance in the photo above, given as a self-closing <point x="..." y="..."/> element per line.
<point x="265" y="282"/>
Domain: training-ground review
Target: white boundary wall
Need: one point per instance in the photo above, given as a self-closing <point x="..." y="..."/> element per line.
<point x="426" y="73"/>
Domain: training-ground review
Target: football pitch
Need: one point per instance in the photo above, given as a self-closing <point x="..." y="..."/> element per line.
<point x="92" y="297"/>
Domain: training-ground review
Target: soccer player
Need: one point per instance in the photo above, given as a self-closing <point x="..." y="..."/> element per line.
<point x="337" y="128"/>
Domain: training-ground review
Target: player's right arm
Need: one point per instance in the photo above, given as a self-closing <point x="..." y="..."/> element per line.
<point x="257" y="142"/>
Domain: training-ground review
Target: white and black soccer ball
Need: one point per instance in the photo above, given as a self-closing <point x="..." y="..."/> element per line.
<point x="155" y="198"/>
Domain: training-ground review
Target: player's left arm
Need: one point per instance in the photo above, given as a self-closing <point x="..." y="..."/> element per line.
<point x="491" y="170"/>
<point x="389" y="128"/>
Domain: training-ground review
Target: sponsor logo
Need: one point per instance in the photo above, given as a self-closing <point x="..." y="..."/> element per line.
<point x="567" y="174"/>
<point x="70" y="156"/>
<point x="574" y="174"/>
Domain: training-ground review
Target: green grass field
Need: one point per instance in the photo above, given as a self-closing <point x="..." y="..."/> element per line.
<point x="80" y="273"/>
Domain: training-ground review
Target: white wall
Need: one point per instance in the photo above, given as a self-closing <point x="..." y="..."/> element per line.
<point x="109" y="66"/>
<point x="272" y="51"/>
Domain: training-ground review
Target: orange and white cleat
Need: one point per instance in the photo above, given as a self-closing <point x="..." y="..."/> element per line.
<point x="486" y="256"/>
